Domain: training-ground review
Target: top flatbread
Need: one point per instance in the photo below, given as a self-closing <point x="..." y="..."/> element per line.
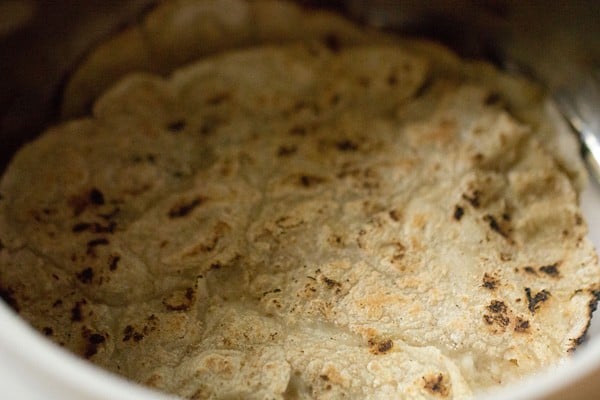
<point x="301" y="222"/>
<point x="177" y="32"/>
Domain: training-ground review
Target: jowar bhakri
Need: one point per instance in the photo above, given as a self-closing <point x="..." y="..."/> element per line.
<point x="321" y="218"/>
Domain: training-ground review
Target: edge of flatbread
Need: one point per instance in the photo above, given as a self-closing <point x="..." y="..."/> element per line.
<point x="176" y="32"/>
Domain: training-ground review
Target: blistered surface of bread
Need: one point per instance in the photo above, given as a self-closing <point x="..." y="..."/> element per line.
<point x="302" y="222"/>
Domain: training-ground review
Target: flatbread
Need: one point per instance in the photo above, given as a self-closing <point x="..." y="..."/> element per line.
<point x="177" y="32"/>
<point x="300" y="221"/>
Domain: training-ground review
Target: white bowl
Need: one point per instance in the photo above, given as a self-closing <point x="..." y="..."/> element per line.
<point x="32" y="368"/>
<point x="579" y="377"/>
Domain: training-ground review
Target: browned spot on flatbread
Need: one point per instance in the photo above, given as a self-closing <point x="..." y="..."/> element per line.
<point x="473" y="198"/>
<point x="521" y="325"/>
<point x="399" y="253"/>
<point x="92" y="197"/>
<point x="395" y="215"/>
<point x="458" y="212"/>
<point x="492" y="98"/>
<point x="285" y="151"/>
<point x="209" y="244"/>
<point x="80" y="227"/>
<point x="437" y="385"/>
<point x="184" y="208"/>
<point x="550" y="270"/>
<point x="113" y="262"/>
<point x="489" y="281"/>
<point x="209" y="125"/>
<point x="497" y="227"/>
<point x="136" y="334"/>
<point x="86" y="275"/>
<point x="381" y="346"/>
<point x="536" y="300"/>
<point x="497" y="306"/>
<point x="497" y="314"/>
<point x="346" y="145"/>
<point x="92" y="244"/>
<point x="176" y="126"/>
<point x="94" y="227"/>
<point x="529" y="270"/>
<point x="93" y="341"/>
<point x="96" y="197"/>
<point x="332" y="42"/>
<point x="77" y="311"/>
<point x="129" y="333"/>
<point x="308" y="181"/>
<point x="331" y="283"/>
<point x="392" y="78"/>
<point x="218" y="98"/>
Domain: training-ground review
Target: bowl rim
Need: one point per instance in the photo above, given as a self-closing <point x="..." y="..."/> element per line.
<point x="22" y="346"/>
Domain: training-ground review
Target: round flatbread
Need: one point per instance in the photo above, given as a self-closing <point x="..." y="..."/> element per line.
<point x="309" y="220"/>
<point x="300" y="221"/>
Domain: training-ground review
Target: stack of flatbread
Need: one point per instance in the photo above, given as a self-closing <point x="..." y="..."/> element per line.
<point x="341" y="215"/>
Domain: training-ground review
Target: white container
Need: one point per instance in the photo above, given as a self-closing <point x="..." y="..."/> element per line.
<point x="33" y="368"/>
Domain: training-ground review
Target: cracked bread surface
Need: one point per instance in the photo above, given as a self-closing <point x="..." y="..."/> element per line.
<point x="304" y="221"/>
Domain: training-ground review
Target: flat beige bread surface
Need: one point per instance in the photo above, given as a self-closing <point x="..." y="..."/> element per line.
<point x="306" y="221"/>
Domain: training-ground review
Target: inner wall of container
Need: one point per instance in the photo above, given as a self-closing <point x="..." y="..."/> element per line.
<point x="37" y="53"/>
